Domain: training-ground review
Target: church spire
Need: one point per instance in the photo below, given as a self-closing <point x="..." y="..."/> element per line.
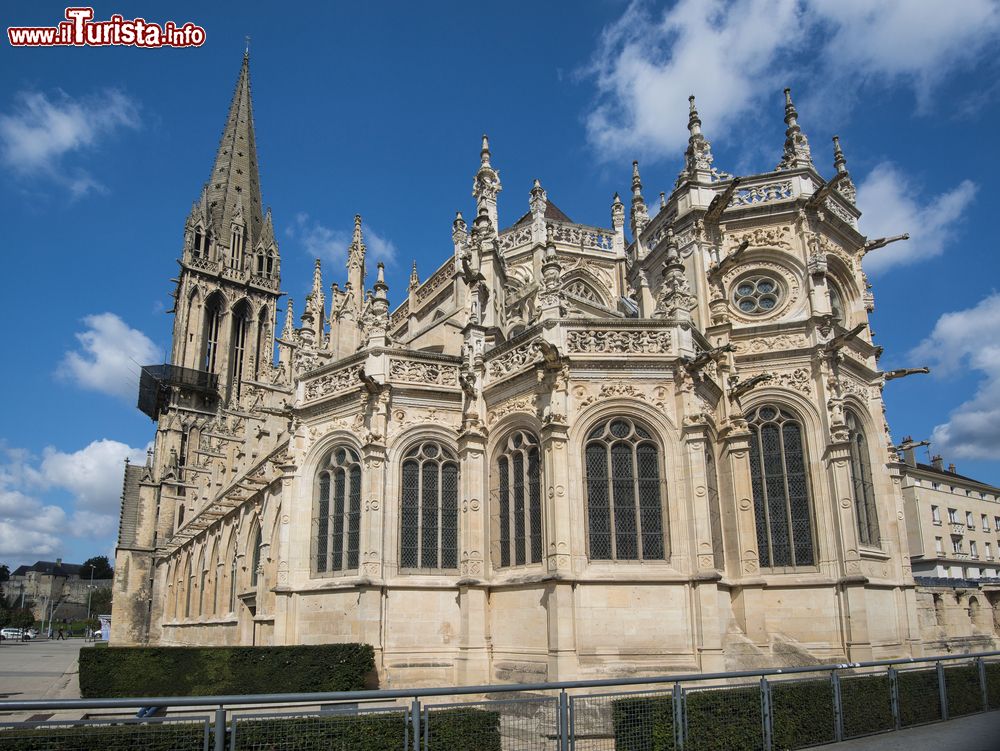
<point x="414" y="277"/>
<point x="235" y="178"/>
<point x="356" y="266"/>
<point x="797" y="153"/>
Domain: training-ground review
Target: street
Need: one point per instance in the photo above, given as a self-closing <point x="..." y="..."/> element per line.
<point x="37" y="669"/>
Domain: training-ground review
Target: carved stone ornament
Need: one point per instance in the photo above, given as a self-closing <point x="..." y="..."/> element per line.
<point x="526" y="404"/>
<point x="411" y="371"/>
<point x="764" y="237"/>
<point x="332" y="383"/>
<point x="610" y="342"/>
<point x="780" y="341"/>
<point x="514" y="360"/>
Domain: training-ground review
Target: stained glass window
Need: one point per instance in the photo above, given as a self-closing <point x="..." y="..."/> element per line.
<point x="780" y="489"/>
<point x="517" y="506"/>
<point x="862" y="484"/>
<point x="429" y="508"/>
<point x="337" y="520"/>
<point x="624" y="493"/>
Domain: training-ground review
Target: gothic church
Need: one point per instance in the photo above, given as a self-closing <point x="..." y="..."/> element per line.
<point x="569" y="452"/>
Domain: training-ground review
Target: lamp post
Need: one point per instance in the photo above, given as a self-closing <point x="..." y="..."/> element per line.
<point x="90" y="591"/>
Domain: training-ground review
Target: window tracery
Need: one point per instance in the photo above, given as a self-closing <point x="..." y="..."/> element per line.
<point x="429" y="508"/>
<point x="517" y="507"/>
<point x="337" y="512"/>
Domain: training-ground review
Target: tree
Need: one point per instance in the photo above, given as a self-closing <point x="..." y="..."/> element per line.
<point x="101" y="568"/>
<point x="22" y="618"/>
<point x="100" y="602"/>
<point x="4" y="572"/>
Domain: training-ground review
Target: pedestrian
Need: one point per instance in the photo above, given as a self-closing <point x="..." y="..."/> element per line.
<point x="61" y="635"/>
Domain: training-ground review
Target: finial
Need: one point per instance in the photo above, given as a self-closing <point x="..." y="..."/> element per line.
<point x="797" y="153"/>
<point x="414" y="279"/>
<point x="537" y="185"/>
<point x="694" y="122"/>
<point x="380" y="276"/>
<point x="617" y="199"/>
<point x="663" y="200"/>
<point x="357" y="228"/>
<point x="286" y="332"/>
<point x="484" y="154"/>
<point x="246" y="51"/>
<point x="838" y="156"/>
<point x="636" y="182"/>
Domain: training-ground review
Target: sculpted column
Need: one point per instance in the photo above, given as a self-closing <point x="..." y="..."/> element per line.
<point x="708" y="625"/>
<point x="373" y="482"/>
<point x="473" y="660"/>
<point x="742" y="560"/>
<point x="556" y="498"/>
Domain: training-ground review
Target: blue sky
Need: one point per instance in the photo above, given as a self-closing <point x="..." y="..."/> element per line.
<point x="378" y="110"/>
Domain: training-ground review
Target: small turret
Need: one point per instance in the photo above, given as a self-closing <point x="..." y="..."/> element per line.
<point x="640" y="214"/>
<point x="846" y="186"/>
<point x="486" y="184"/>
<point x="797" y="153"/>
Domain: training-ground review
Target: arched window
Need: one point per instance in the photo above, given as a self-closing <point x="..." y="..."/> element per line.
<point x="233" y="571"/>
<point x="624" y="507"/>
<point x="337" y="520"/>
<point x="213" y="319"/>
<point x="236" y="249"/>
<point x="837" y="306"/>
<point x="238" y="345"/>
<point x="861" y="481"/>
<point x="269" y="268"/>
<point x="255" y="559"/>
<point x="196" y="248"/>
<point x="517" y="507"/>
<point x="429" y="508"/>
<point x="780" y="489"/>
<point x="187" y="590"/>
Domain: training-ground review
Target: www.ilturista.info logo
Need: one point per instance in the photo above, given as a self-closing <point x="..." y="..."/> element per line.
<point x="80" y="30"/>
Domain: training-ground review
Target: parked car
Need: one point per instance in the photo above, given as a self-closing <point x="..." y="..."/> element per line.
<point x="15" y="633"/>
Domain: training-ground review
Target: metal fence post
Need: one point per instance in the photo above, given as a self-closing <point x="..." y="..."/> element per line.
<point x="679" y="716"/>
<point x="563" y="721"/>
<point x="838" y="707"/>
<point x="942" y="691"/>
<point x="415" y="720"/>
<point x="220" y="729"/>
<point x="765" y="713"/>
<point x="982" y="683"/>
<point x="897" y="719"/>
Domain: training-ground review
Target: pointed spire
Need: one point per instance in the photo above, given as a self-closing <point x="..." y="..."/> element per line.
<point x="797" y="153"/>
<point x="356" y="265"/>
<point x="380" y="286"/>
<point x="317" y="288"/>
<point x="639" y="214"/>
<point x="698" y="156"/>
<point x="617" y="212"/>
<point x="267" y="234"/>
<point x="845" y="186"/>
<point x="414" y="278"/>
<point x="537" y="199"/>
<point x="235" y="179"/>
<point x="486" y="184"/>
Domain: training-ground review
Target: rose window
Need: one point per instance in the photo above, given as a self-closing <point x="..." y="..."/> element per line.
<point x="757" y="295"/>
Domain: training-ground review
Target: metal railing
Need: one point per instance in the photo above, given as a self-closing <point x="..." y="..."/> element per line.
<point x="778" y="708"/>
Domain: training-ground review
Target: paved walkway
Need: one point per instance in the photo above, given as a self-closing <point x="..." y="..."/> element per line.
<point x="980" y="732"/>
<point x="40" y="669"/>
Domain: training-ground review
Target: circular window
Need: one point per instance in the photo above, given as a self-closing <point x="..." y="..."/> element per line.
<point x="757" y="295"/>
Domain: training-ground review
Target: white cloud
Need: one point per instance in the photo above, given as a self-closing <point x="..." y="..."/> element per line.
<point x="736" y="56"/>
<point x="30" y="527"/>
<point x="320" y="241"/>
<point x="110" y="357"/>
<point x="890" y="208"/>
<point x="960" y="341"/>
<point x="93" y="475"/>
<point x="39" y="133"/>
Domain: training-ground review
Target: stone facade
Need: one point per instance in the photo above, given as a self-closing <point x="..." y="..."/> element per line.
<point x="570" y="451"/>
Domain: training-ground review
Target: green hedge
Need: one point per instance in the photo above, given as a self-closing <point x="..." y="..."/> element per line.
<point x="802" y="713"/>
<point x="644" y="723"/>
<point x="207" y="671"/>
<point x="919" y="700"/>
<point x="993" y="684"/>
<point x="964" y="693"/>
<point x="866" y="704"/>
<point x="173" y="736"/>
<point x="724" y="719"/>
<point x="448" y="730"/>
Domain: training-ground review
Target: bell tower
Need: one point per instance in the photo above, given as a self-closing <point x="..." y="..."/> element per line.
<point x="228" y="286"/>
